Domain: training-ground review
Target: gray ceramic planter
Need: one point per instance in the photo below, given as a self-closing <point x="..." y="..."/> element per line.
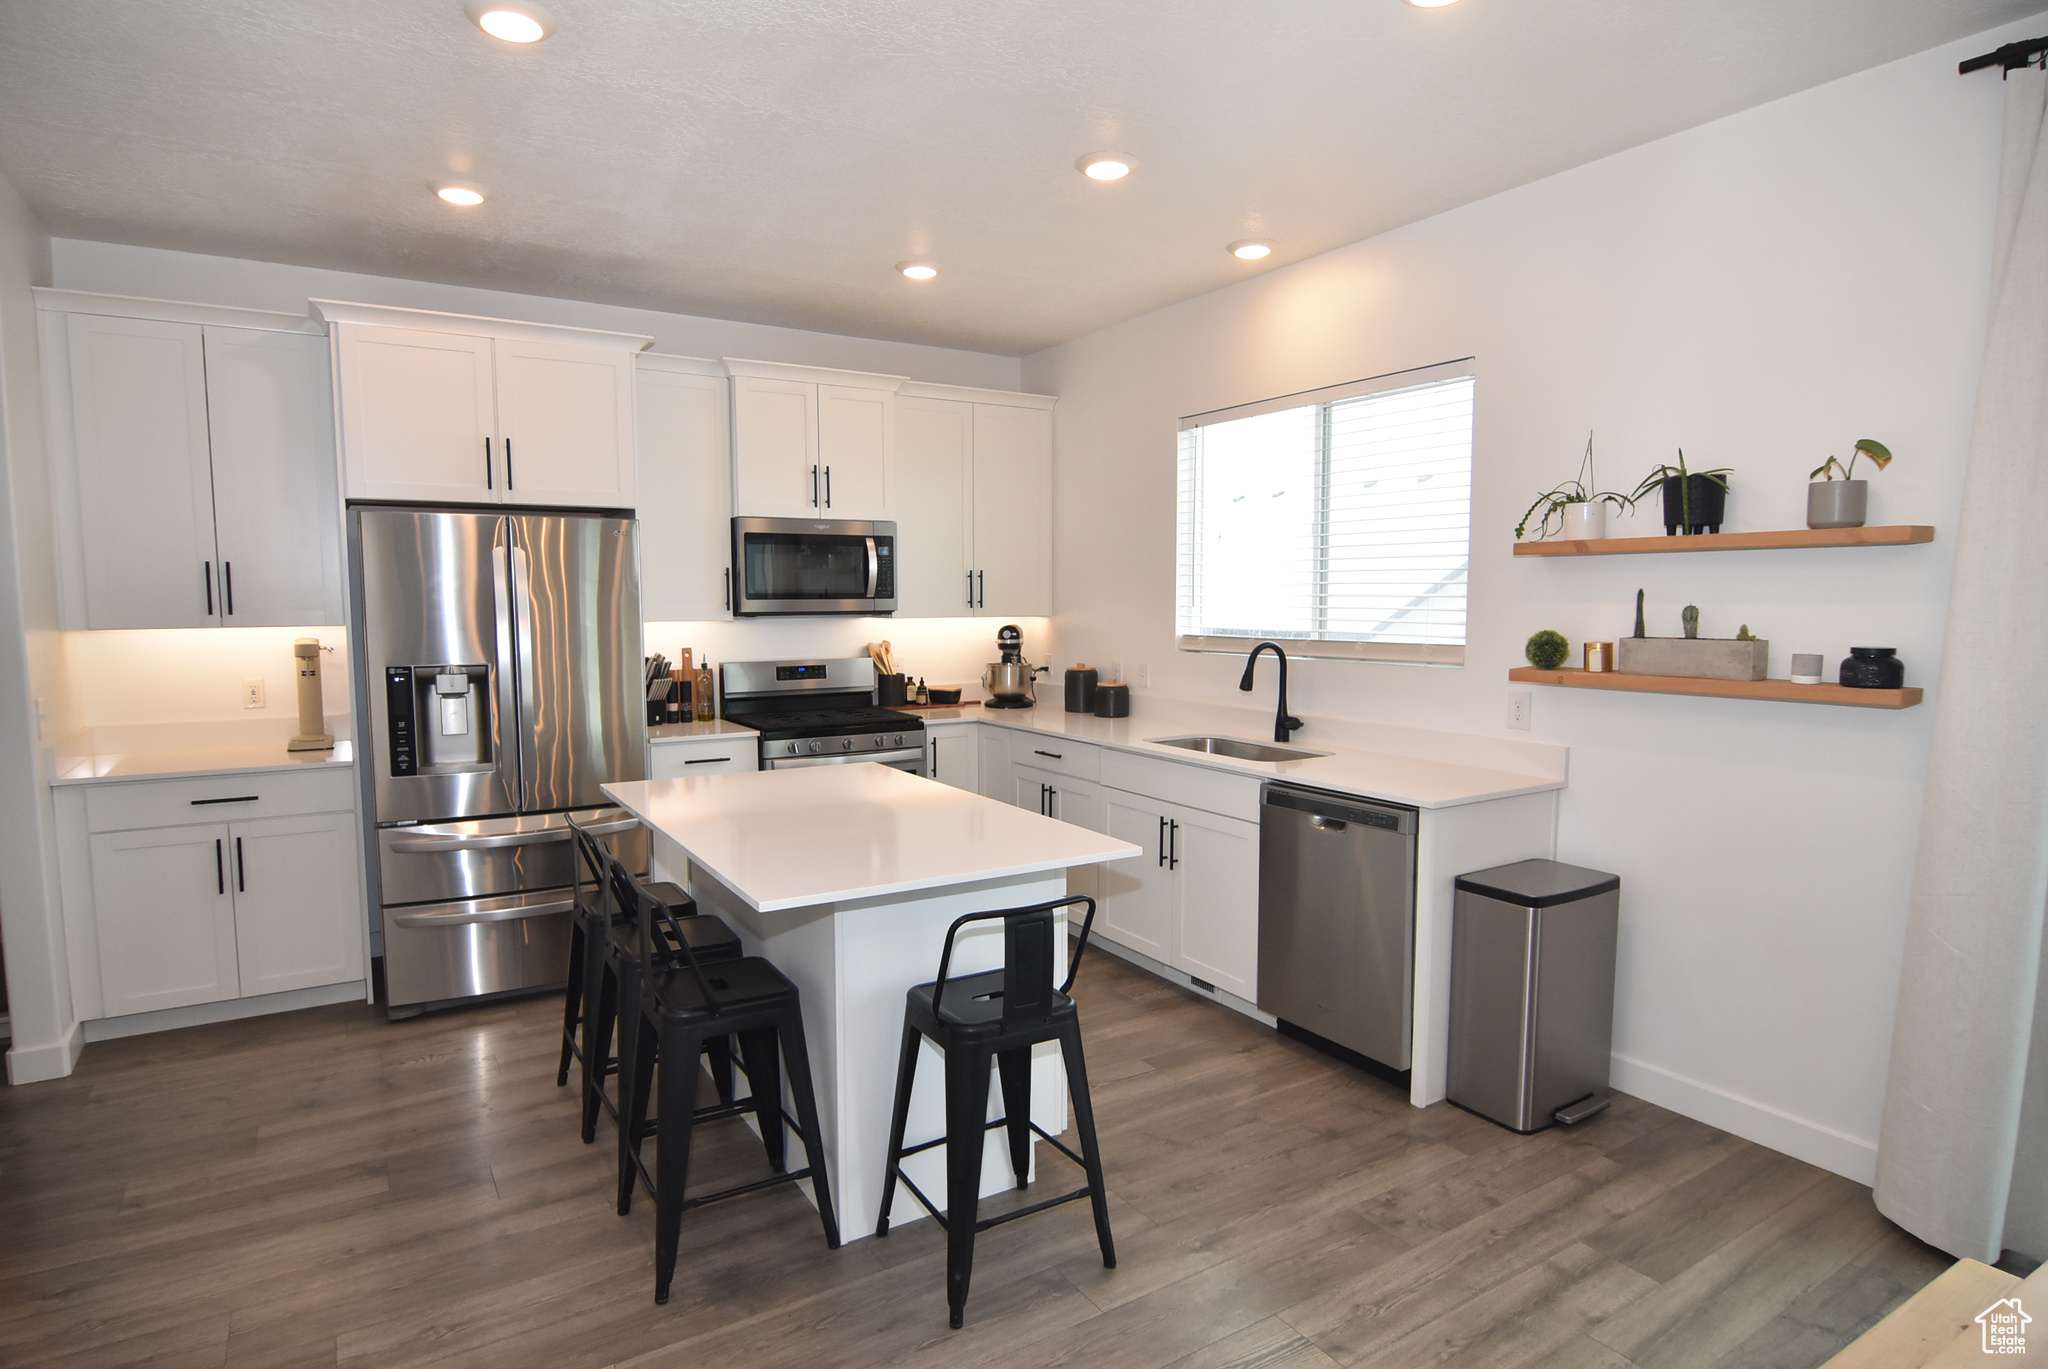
<point x="1837" y="503"/>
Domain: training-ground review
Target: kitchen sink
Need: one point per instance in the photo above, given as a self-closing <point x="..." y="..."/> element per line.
<point x="1238" y="749"/>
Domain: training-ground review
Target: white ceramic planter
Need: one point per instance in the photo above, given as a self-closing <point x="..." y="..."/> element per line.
<point x="1583" y="522"/>
<point x="1837" y="503"/>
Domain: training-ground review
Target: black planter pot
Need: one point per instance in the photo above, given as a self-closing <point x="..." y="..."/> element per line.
<point x="1873" y="667"/>
<point x="1709" y="498"/>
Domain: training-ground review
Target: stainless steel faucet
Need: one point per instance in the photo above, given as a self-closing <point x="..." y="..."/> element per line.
<point x="1283" y="722"/>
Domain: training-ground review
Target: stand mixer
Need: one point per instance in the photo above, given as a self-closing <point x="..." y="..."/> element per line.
<point x="1009" y="680"/>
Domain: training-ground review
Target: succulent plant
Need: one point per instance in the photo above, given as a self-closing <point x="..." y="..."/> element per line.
<point x="1548" y="650"/>
<point x="1880" y="457"/>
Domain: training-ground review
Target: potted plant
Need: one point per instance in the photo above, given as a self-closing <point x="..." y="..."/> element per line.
<point x="1694" y="501"/>
<point x="1843" y="503"/>
<point x="1578" y="510"/>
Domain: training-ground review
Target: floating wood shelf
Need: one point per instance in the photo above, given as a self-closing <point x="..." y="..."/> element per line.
<point x="1904" y="534"/>
<point x="1782" y="690"/>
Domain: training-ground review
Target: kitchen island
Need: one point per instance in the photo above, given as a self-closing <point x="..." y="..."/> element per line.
<point x="847" y="877"/>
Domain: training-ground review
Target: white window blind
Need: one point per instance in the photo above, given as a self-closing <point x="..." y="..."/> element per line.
<point x="1340" y="521"/>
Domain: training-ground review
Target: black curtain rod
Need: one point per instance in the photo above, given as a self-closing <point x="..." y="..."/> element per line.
<point x="2010" y="57"/>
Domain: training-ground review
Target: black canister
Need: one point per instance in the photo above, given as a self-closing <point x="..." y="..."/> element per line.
<point x="1112" y="701"/>
<point x="892" y="689"/>
<point x="1873" y="667"/>
<point x="1081" y="689"/>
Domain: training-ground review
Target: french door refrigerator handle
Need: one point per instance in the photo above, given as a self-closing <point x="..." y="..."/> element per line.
<point x="874" y="568"/>
<point x="507" y="664"/>
<point x="527" y="683"/>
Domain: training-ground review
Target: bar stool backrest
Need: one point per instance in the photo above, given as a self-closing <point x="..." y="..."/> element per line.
<point x="1027" y="957"/>
<point x="656" y="932"/>
<point x="592" y="859"/>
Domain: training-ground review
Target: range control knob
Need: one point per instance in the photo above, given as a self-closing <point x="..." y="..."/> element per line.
<point x="898" y="741"/>
<point x="815" y="748"/>
<point x="846" y="745"/>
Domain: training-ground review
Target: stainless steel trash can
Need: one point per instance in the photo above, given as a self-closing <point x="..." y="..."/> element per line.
<point x="1532" y="992"/>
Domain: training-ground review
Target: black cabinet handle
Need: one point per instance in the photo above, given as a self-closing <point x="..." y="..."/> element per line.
<point x="1162" y="840"/>
<point x="487" y="465"/>
<point x="1173" y="845"/>
<point x="508" y="463"/>
<point x="209" y="589"/>
<point x="728" y="589"/>
<point x="220" y="873"/>
<point x="828" y="487"/>
<point x="239" y="798"/>
<point x="935" y="757"/>
<point x="708" y="760"/>
<point x="240" y="869"/>
<point x="814" y="487"/>
<point x="970" y="589"/>
<point x="227" y="586"/>
<point x="981" y="578"/>
<point x="1052" y="802"/>
<point x="1058" y="756"/>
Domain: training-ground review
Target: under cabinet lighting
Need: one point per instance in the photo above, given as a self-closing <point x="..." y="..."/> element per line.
<point x="1431" y="4"/>
<point x="513" y="21"/>
<point x="467" y="196"/>
<point x="1105" y="166"/>
<point x="917" y="270"/>
<point x="1251" y="249"/>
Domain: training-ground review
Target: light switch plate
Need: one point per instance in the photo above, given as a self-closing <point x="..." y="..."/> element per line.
<point x="252" y="693"/>
<point x="1144" y="673"/>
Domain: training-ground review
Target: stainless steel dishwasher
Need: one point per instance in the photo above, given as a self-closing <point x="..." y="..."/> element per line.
<point x="1337" y="919"/>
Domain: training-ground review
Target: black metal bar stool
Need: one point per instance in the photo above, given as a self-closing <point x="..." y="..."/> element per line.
<point x="996" y="1017"/>
<point x="604" y="969"/>
<point x="680" y="1010"/>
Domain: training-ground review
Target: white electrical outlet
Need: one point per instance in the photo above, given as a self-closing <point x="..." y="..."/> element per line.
<point x="1519" y="703"/>
<point x="252" y="693"/>
<point x="1116" y="671"/>
<point x="1144" y="680"/>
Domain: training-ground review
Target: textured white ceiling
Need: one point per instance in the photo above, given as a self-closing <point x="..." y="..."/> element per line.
<point x="770" y="160"/>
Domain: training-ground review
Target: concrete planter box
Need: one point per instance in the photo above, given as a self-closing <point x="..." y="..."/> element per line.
<point x="1695" y="658"/>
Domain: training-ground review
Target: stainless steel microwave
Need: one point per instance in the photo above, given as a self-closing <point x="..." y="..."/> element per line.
<point x="811" y="565"/>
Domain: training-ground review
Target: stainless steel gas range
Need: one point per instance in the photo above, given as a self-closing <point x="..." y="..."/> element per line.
<point x="820" y="713"/>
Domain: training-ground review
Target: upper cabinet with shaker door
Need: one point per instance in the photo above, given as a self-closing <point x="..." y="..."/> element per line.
<point x="812" y="443"/>
<point x="684" y="435"/>
<point x="446" y="408"/>
<point x="193" y="465"/>
<point x="974" y="508"/>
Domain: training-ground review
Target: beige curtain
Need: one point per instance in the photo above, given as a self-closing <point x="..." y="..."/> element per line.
<point x="1952" y="1158"/>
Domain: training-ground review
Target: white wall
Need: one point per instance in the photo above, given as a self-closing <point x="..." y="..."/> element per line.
<point x="1762" y="291"/>
<point x="31" y="671"/>
<point x="157" y="274"/>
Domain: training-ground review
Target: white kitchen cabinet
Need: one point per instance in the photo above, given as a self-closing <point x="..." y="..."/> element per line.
<point x="170" y="902"/>
<point x="722" y="755"/>
<point x="194" y="469"/>
<point x="973" y="503"/>
<point x="683" y="433"/>
<point x="445" y="408"/>
<point x="811" y="443"/>
<point x="993" y="774"/>
<point x="1192" y="900"/>
<point x="953" y="755"/>
<point x="165" y="918"/>
<point x="295" y="900"/>
<point x="1135" y="896"/>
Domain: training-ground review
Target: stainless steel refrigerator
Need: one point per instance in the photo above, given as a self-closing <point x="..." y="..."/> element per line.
<point x="497" y="661"/>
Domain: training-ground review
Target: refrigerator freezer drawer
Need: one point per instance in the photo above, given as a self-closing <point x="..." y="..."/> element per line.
<point x="437" y="952"/>
<point x="489" y="857"/>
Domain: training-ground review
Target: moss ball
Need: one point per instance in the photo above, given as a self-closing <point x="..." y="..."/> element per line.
<point x="1548" y="650"/>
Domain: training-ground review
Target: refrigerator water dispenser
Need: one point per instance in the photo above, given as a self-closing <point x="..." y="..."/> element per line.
<point x="440" y="718"/>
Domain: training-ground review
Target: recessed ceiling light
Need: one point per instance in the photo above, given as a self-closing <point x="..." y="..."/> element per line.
<point x="514" y="21"/>
<point x="1251" y="249"/>
<point x="1431" y="4"/>
<point x="917" y="270"/>
<point x="1105" y="166"/>
<point x="464" y="195"/>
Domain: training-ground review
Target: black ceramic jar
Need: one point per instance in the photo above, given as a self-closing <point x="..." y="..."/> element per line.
<point x="1873" y="667"/>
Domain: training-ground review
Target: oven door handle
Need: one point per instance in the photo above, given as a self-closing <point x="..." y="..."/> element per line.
<point x="491" y="841"/>
<point x="874" y="568"/>
<point x="894" y="757"/>
<point x="465" y="916"/>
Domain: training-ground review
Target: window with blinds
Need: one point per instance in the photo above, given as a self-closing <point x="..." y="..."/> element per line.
<point x="1337" y="522"/>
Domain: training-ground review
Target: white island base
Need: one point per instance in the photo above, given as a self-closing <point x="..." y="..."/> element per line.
<point x="847" y="877"/>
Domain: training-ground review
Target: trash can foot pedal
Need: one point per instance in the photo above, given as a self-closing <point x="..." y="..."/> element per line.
<point x="1572" y="1113"/>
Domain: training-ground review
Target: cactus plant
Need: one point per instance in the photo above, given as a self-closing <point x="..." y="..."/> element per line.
<point x="1691" y="619"/>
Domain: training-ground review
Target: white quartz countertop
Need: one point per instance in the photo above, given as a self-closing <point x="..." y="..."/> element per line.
<point x="691" y="731"/>
<point x="1417" y="781"/>
<point x="161" y="751"/>
<point x="797" y="838"/>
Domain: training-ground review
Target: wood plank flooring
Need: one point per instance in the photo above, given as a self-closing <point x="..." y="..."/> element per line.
<point x="329" y="1188"/>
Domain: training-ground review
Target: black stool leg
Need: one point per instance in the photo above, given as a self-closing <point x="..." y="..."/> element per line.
<point x="1015" y="1068"/>
<point x="681" y="1059"/>
<point x="906" y="1075"/>
<point x="572" y="1000"/>
<point x="636" y="1081"/>
<point x="967" y="1072"/>
<point x="598" y="1029"/>
<point x="797" y="1055"/>
<point x="764" y="1087"/>
<point x="718" y="1052"/>
<point x="1084" y="1121"/>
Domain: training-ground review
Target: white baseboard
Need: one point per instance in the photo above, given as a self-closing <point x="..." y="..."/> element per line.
<point x="229" y="1010"/>
<point x="34" y="1064"/>
<point x="1835" y="1151"/>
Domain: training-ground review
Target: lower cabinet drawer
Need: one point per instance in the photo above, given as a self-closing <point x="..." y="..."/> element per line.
<point x="669" y="760"/>
<point x="1196" y="786"/>
<point x="1080" y="760"/>
<point x="219" y="798"/>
